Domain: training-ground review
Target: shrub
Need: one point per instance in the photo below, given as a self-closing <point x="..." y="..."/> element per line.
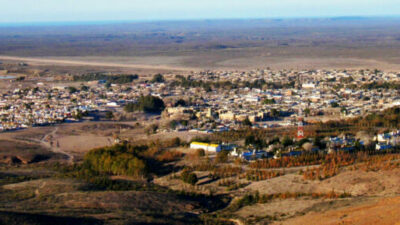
<point x="109" y="115"/>
<point x="189" y="177"/>
<point x="287" y="141"/>
<point x="169" y="156"/>
<point x="222" y="157"/>
<point x="226" y="171"/>
<point x="158" y="78"/>
<point x="200" y="152"/>
<point x="257" y="175"/>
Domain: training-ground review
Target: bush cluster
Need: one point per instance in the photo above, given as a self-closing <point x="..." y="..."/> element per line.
<point x="119" y="159"/>
<point x="148" y="104"/>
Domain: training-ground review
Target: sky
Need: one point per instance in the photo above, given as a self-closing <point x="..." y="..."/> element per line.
<point x="32" y="11"/>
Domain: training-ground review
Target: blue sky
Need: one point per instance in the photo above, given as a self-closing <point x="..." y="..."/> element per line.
<point x="19" y="11"/>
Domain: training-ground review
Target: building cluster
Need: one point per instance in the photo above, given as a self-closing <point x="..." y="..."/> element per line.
<point x="218" y="100"/>
<point x="276" y="98"/>
<point x="342" y="143"/>
<point x="45" y="105"/>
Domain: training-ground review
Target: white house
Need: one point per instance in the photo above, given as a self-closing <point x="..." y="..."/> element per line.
<point x="308" y="85"/>
<point x="205" y="146"/>
<point x="112" y="104"/>
<point x="252" y="98"/>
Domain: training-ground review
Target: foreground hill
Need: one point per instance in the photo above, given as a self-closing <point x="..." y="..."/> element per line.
<point x="384" y="212"/>
<point x="66" y="201"/>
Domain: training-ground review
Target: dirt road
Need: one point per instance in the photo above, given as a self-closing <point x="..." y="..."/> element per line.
<point x="54" y="147"/>
<point x="50" y="61"/>
<point x="237" y="221"/>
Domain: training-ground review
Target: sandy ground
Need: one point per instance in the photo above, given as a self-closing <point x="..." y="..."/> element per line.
<point x="383" y="212"/>
<point x="360" y="183"/>
<point x="225" y="60"/>
<point x="287" y="183"/>
<point x="183" y="135"/>
<point x="366" y="189"/>
<point x="75" y="139"/>
<point x="72" y="140"/>
<point x="85" y="62"/>
<point x="277" y="208"/>
<point x="81" y="143"/>
<point x="356" y="183"/>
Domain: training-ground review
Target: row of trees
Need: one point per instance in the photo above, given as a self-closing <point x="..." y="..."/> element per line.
<point x="381" y="85"/>
<point x="389" y="118"/>
<point x="116" y="79"/>
<point x="228" y="85"/>
<point x="302" y="160"/>
<point x="148" y="104"/>
<point x="206" y="85"/>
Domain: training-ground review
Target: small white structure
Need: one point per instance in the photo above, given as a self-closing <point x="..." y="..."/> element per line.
<point x="251" y="98"/>
<point x="112" y="104"/>
<point x="205" y="146"/>
<point x="308" y="85"/>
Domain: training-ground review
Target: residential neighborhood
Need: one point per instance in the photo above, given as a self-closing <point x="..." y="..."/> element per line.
<point x="218" y="100"/>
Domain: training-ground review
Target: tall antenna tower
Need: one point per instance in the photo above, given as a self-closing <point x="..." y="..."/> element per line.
<point x="300" y="125"/>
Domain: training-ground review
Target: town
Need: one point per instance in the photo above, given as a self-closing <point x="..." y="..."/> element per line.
<point x="213" y="101"/>
<point x="199" y="112"/>
<point x="219" y="100"/>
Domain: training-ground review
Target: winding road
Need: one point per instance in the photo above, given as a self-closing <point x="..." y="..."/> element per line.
<point x="55" y="148"/>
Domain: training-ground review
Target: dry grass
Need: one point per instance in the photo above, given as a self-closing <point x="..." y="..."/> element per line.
<point x="383" y="212"/>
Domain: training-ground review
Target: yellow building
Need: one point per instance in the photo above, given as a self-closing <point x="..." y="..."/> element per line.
<point x="205" y="146"/>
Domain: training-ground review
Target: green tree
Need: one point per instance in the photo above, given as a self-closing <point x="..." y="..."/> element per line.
<point x="120" y="159"/>
<point x="189" y="177"/>
<point x="78" y="114"/>
<point x="269" y="101"/>
<point x="307" y="111"/>
<point x="319" y="143"/>
<point x="72" y="90"/>
<point x="343" y="110"/>
<point x="28" y="105"/>
<point x="247" y="122"/>
<point x="109" y="115"/>
<point x="107" y="85"/>
<point x="158" y="78"/>
<point x="84" y="88"/>
<point x="152" y="129"/>
<point x="334" y="104"/>
<point x="287" y="141"/>
<point x="275" y="113"/>
<point x="148" y="104"/>
<point x="180" y="102"/>
<point x="302" y="141"/>
<point x="173" y="124"/>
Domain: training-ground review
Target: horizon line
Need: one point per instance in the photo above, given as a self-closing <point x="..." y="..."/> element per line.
<point x="109" y="22"/>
